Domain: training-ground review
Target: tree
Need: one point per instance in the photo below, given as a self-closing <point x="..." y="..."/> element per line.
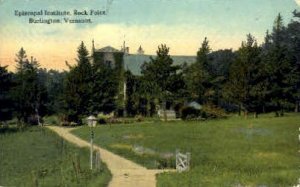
<point x="219" y="66"/>
<point x="157" y="75"/>
<point x="28" y="92"/>
<point x="244" y="87"/>
<point x="55" y="86"/>
<point x="197" y="75"/>
<point x="105" y="89"/>
<point x="282" y="69"/>
<point x="202" y="54"/>
<point x="78" y="87"/>
<point x="293" y="37"/>
<point x="6" y="107"/>
<point x="132" y="96"/>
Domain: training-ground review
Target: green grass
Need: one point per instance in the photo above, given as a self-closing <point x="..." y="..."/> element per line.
<point x="227" y="152"/>
<point x="38" y="157"/>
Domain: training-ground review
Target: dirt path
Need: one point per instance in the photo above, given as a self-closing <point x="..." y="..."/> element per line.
<point x="125" y="173"/>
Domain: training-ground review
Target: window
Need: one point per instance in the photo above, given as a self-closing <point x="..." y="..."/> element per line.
<point x="108" y="63"/>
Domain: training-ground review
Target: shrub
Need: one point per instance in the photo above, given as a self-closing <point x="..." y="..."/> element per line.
<point x="104" y="118"/>
<point x="139" y="118"/>
<point x="165" y="162"/>
<point x="33" y="120"/>
<point x="190" y="113"/>
<point x="212" y="111"/>
<point x="51" y="120"/>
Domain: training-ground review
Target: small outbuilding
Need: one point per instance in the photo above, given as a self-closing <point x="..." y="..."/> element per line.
<point x="195" y="105"/>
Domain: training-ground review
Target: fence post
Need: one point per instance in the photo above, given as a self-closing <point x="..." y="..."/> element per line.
<point x="98" y="161"/>
<point x="188" y="164"/>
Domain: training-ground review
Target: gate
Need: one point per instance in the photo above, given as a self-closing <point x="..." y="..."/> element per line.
<point x="182" y="161"/>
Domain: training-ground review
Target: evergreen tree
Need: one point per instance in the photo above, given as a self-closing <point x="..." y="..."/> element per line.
<point x="219" y="66"/>
<point x="282" y="69"/>
<point x="78" y="87"/>
<point x="6" y="107"/>
<point x="244" y="87"/>
<point x="157" y="75"/>
<point x="55" y="87"/>
<point x="105" y="89"/>
<point x="197" y="75"/>
<point x="28" y="92"/>
<point x="132" y="98"/>
<point x="293" y="37"/>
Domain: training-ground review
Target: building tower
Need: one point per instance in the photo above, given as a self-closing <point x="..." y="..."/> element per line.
<point x="140" y="51"/>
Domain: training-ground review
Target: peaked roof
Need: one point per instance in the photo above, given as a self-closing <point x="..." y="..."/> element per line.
<point x="108" y="49"/>
<point x="195" y="105"/>
<point x="133" y="62"/>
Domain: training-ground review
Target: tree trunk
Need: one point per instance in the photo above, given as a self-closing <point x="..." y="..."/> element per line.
<point x="245" y="113"/>
<point x="255" y="115"/>
<point x="165" y="112"/>
<point x="148" y="108"/>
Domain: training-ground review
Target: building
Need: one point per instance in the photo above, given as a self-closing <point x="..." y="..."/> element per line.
<point x="122" y="60"/>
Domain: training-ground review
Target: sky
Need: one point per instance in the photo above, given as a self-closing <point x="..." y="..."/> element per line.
<point x="181" y="25"/>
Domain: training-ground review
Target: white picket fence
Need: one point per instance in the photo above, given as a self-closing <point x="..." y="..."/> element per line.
<point x="182" y="161"/>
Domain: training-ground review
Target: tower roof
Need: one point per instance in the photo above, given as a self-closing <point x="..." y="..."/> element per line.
<point x="108" y="49"/>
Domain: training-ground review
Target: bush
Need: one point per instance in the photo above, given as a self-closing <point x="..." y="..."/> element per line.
<point x="190" y="113"/>
<point x="51" y="120"/>
<point x="207" y="112"/>
<point x="104" y="118"/>
<point x="139" y="118"/>
<point x="211" y="112"/>
<point x="33" y="120"/>
<point x="166" y="162"/>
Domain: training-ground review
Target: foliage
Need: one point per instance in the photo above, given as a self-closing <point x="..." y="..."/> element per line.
<point x="29" y="92"/>
<point x="282" y="68"/>
<point x="244" y="86"/>
<point x="161" y="80"/>
<point x="104" y="90"/>
<point x="77" y="88"/>
<point x="55" y="85"/>
<point x="52" y="120"/>
<point x="6" y="107"/>
<point x="197" y="75"/>
<point x="188" y="113"/>
<point x="210" y="111"/>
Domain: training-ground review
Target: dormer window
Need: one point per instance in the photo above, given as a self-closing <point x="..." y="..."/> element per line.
<point x="108" y="63"/>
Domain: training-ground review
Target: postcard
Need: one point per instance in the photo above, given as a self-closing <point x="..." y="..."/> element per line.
<point x="145" y="93"/>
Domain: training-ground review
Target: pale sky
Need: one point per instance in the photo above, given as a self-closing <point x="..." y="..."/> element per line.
<point x="182" y="25"/>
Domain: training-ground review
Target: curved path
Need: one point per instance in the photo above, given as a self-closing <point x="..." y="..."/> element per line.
<point x="125" y="173"/>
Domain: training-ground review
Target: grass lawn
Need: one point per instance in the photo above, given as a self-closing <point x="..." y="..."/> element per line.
<point x="39" y="157"/>
<point x="227" y="152"/>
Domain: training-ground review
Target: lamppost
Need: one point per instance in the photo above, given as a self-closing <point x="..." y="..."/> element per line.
<point x="91" y="123"/>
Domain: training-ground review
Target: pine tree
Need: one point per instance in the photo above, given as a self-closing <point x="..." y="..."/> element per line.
<point x="6" y="106"/>
<point x="293" y="41"/>
<point x="157" y="75"/>
<point x="28" y="90"/>
<point x="244" y="86"/>
<point x="282" y="68"/>
<point x="198" y="77"/>
<point x="104" y="90"/>
<point x="78" y="87"/>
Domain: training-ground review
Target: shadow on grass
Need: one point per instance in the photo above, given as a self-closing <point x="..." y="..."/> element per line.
<point x="8" y="129"/>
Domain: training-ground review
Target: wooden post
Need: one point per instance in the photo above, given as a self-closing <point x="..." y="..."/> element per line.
<point x="91" y="151"/>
